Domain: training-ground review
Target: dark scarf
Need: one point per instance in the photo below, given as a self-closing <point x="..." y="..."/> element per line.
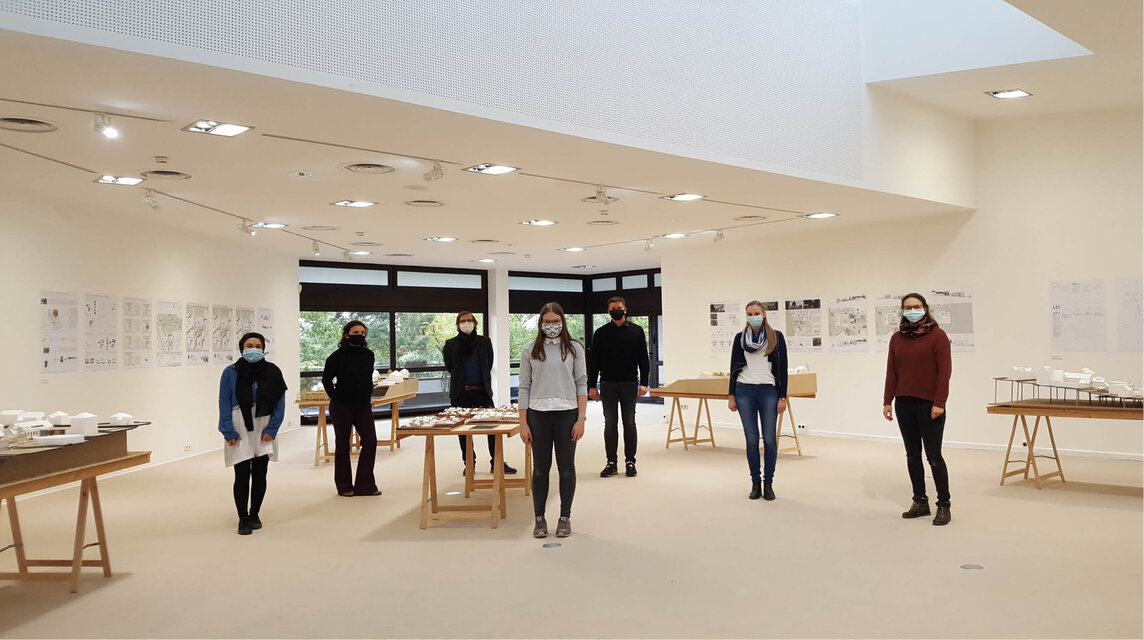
<point x="466" y="345"/>
<point x="747" y="340"/>
<point x="921" y="328"/>
<point x="271" y="388"/>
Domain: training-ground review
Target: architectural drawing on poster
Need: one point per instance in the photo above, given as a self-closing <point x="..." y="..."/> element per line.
<point x="101" y="332"/>
<point x="138" y="331"/>
<point x="1130" y="315"/>
<point x="804" y="324"/>
<point x="266" y="327"/>
<point x="169" y="333"/>
<point x="953" y="310"/>
<point x="847" y="324"/>
<point x="224" y="340"/>
<point x="887" y="318"/>
<point x="725" y="323"/>
<point x="1078" y="317"/>
<point x="244" y="321"/>
<point x="196" y="324"/>
<point x="59" y="331"/>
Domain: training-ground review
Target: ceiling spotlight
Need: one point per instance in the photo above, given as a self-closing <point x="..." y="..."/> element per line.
<point x="491" y="169"/>
<point x="315" y="248"/>
<point x="583" y="266"/>
<point x="247" y="228"/>
<point x="538" y="223"/>
<point x="601" y="197"/>
<point x="674" y="236"/>
<point x="573" y="249"/>
<point x="104" y="127"/>
<point x="353" y="203"/>
<point x="684" y="197"/>
<point x="268" y="225"/>
<point x="216" y="128"/>
<point x="436" y="173"/>
<point x="440" y="239"/>
<point x="150" y="199"/>
<point x="1008" y="94"/>
<point x="118" y="180"/>
<point x="347" y="256"/>
<point x="649" y="245"/>
<point x="718" y="235"/>
<point x="484" y="260"/>
<point x="820" y="215"/>
<point x="359" y="253"/>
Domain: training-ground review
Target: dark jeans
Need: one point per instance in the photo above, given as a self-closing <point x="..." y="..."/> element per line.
<point x="621" y="396"/>
<point x="250" y="484"/>
<point x="553" y="430"/>
<point x="345" y="419"/>
<point x="473" y="399"/>
<point x="918" y="431"/>
<point x="759" y="406"/>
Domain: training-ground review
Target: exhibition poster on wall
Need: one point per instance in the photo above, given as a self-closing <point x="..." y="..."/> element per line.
<point x="244" y="321"/>
<point x="224" y="342"/>
<point x="804" y="324"/>
<point x="59" y="331"/>
<point x="169" y="328"/>
<point x="887" y="318"/>
<point x="101" y="332"/>
<point x="1078" y="322"/>
<point x="1130" y="318"/>
<point x="953" y="310"/>
<point x="266" y="327"/>
<point x="137" y="333"/>
<point x="847" y="324"/>
<point x="725" y="323"/>
<point x="196" y="325"/>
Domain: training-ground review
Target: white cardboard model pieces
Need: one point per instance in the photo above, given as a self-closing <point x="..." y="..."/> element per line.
<point x="58" y="440"/>
<point x="59" y="419"/>
<point x="86" y="424"/>
<point x="122" y="419"/>
<point x="10" y="417"/>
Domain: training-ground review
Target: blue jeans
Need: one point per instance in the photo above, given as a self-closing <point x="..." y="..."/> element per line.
<point x="759" y="403"/>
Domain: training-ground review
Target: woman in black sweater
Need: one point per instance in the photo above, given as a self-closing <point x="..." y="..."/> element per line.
<point x="348" y="380"/>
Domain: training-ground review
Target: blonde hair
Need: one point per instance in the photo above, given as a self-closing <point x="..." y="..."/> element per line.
<point x="772" y="340"/>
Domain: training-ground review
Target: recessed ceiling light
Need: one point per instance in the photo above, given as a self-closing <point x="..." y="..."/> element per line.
<point x="820" y="215"/>
<point x="269" y="225"/>
<point x="216" y="128"/>
<point x="583" y="266"/>
<point x="165" y="174"/>
<point x="425" y="203"/>
<point x="367" y="167"/>
<point x="118" y="180"/>
<point x="1008" y="94"/>
<point x="26" y="125"/>
<point x="359" y="253"/>
<point x="104" y="127"/>
<point x="416" y="187"/>
<point x="573" y="249"/>
<point x="491" y="169"/>
<point x="746" y="218"/>
<point x="538" y="223"/>
<point x="502" y="253"/>
<point x="483" y="260"/>
<point x="320" y="227"/>
<point x="674" y="236"/>
<point x="436" y="173"/>
<point x="484" y="241"/>
<point x="366" y="244"/>
<point x="684" y="197"/>
<point x="441" y="239"/>
<point x="353" y="203"/>
<point x="399" y="255"/>
<point x="603" y="223"/>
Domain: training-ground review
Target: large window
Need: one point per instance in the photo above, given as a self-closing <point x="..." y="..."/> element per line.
<point x="421" y="336"/>
<point x="319" y="333"/>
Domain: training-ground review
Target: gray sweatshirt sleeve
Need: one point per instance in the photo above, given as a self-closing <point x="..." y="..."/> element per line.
<point x="580" y="371"/>
<point x="525" y="375"/>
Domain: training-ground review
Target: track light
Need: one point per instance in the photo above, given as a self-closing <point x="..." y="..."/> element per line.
<point x="436" y="173"/>
<point x="246" y="227"/>
<point x="718" y="235"/>
<point x="649" y="245"/>
<point x="150" y="199"/>
<point x="104" y="127"/>
<point x="317" y="249"/>
<point x="347" y="256"/>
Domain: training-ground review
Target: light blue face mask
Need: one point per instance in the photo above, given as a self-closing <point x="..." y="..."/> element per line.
<point x="755" y="321"/>
<point x="253" y="355"/>
<point x="913" y="315"/>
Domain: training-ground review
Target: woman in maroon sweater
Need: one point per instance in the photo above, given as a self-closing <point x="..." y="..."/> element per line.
<point x="917" y="382"/>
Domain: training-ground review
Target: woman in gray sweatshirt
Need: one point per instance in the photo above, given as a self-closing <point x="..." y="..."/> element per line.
<point x="553" y="399"/>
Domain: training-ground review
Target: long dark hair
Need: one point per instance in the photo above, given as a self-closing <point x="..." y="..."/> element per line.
<point x="566" y="339"/>
<point x="772" y="339"/>
<point x="346" y="332"/>
<point x="929" y="316"/>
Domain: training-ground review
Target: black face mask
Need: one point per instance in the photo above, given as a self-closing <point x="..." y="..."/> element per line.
<point x="617" y="313"/>
<point x="355" y="341"/>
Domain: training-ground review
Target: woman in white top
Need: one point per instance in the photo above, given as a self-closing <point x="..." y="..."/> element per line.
<point x="553" y="399"/>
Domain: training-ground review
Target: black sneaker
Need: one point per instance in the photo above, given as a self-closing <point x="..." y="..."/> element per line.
<point x="255" y="522"/>
<point x="768" y="493"/>
<point x="563" y="527"/>
<point x="630" y="469"/>
<point x="244" y="528"/>
<point x="918" y="509"/>
<point x="942" y="517"/>
<point x="540" y="529"/>
<point x="756" y="491"/>
<point x="609" y="470"/>
<point x="507" y="469"/>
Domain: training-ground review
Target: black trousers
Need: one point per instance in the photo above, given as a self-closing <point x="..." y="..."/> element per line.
<point x="552" y="430"/>
<point x="250" y="485"/>
<point x="474" y="398"/>
<point x="346" y="419"/>
<point x="619" y="396"/>
<point x="920" y="431"/>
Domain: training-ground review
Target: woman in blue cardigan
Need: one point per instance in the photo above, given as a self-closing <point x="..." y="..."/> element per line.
<point x="251" y="404"/>
<point x="758" y="392"/>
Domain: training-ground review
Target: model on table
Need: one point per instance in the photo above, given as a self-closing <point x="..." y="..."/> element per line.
<point x="758" y="392"/>
<point x="251" y="404"/>
<point x="917" y="383"/>
<point x="553" y="399"/>
<point x="619" y="359"/>
<point x="348" y="381"/>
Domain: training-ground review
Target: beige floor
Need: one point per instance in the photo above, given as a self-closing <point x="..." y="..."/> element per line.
<point x="676" y="552"/>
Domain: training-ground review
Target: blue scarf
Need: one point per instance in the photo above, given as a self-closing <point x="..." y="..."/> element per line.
<point x="747" y="339"/>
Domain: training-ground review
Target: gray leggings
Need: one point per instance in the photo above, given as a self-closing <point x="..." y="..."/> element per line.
<point x="553" y="430"/>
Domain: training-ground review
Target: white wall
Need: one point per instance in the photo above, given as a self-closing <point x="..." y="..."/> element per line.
<point x="89" y="251"/>
<point x="1059" y="198"/>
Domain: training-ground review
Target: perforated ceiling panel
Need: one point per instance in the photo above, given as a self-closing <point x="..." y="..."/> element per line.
<point x="765" y="81"/>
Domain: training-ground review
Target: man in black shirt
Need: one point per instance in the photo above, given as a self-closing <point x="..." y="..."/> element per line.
<point x="619" y="359"/>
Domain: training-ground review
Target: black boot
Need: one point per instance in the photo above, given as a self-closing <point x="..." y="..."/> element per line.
<point x="918" y="509"/>
<point x="942" y="516"/>
<point x="756" y="490"/>
<point x="768" y="493"/>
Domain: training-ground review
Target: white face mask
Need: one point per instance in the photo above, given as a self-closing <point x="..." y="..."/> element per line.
<point x="551" y="329"/>
<point x="467" y="327"/>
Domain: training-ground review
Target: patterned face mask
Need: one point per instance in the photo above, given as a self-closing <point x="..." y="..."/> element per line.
<point x="552" y="329"/>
